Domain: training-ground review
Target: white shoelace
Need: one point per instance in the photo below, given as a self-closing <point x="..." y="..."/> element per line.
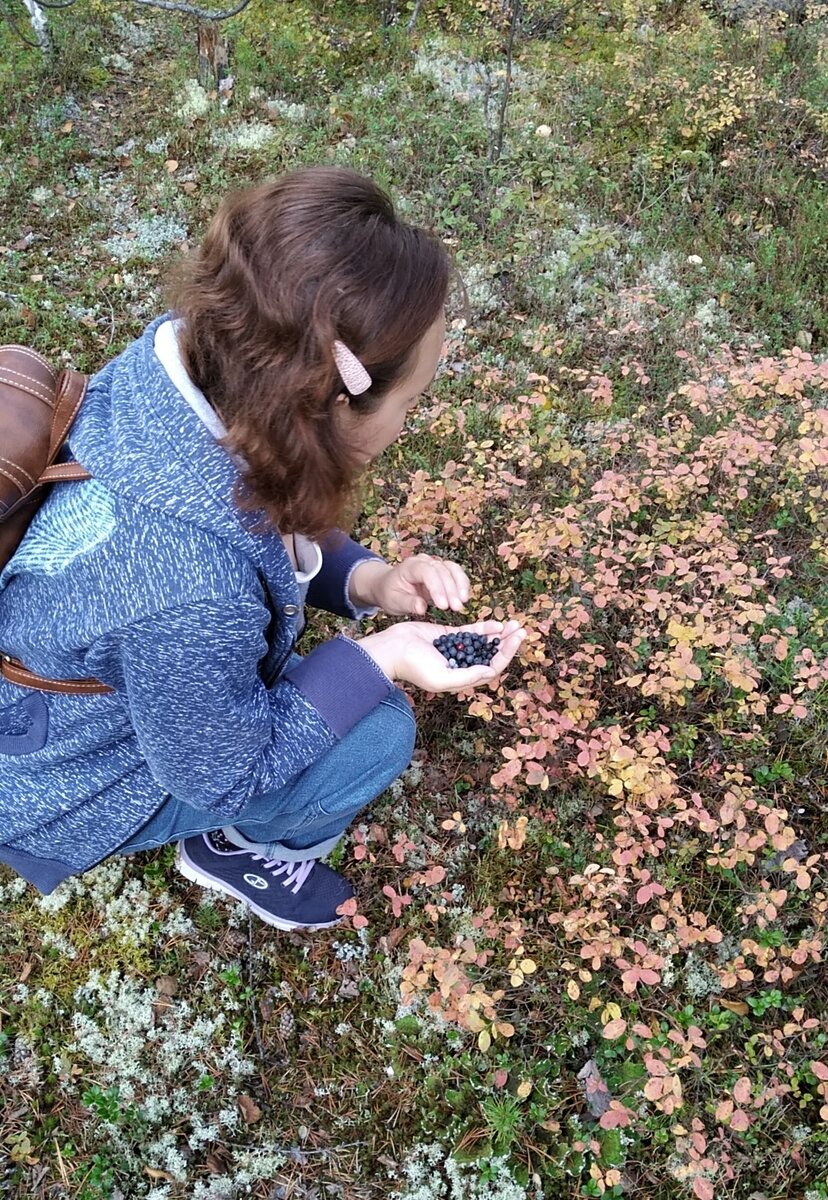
<point x="295" y="873"/>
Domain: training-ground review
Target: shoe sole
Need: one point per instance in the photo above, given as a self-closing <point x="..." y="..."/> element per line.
<point x="190" y="871"/>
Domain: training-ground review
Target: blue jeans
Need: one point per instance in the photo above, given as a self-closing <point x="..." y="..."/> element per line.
<point x="307" y="817"/>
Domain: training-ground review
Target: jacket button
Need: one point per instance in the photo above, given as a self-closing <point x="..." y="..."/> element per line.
<point x="290" y="610"/>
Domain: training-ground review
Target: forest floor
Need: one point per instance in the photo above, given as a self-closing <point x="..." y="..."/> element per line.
<point x="588" y="957"/>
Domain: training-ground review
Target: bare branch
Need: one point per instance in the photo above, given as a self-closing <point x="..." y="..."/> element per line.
<point x="507" y="83"/>
<point x="201" y="13"/>
<point x="170" y="5"/>
<point x="53" y="3"/>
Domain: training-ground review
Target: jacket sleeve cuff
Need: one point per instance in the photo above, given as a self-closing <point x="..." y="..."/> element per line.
<point x="359" y="614"/>
<point x="341" y="681"/>
<point x="329" y="589"/>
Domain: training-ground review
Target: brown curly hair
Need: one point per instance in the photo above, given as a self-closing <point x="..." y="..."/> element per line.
<point x="284" y="269"/>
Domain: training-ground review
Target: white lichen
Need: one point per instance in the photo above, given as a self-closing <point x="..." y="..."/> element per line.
<point x="700" y="980"/>
<point x="460" y="78"/>
<point x="287" y="110"/>
<point x="146" y="238"/>
<point x="249" y="136"/>
<point x="432" y="1174"/>
<point x="192" y="101"/>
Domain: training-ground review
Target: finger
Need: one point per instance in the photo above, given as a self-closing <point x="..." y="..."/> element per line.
<point x="409" y="598"/>
<point x="488" y="628"/>
<point x="507" y="650"/>
<point x="445" y="582"/>
<point x="437" y="583"/>
<point x="460" y="588"/>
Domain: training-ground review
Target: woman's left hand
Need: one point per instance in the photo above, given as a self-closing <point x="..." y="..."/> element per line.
<point x="410" y="587"/>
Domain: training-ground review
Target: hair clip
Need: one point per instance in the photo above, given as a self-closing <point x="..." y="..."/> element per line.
<point x="354" y="376"/>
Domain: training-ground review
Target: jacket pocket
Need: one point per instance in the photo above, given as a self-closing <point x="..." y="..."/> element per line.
<point x="24" y="726"/>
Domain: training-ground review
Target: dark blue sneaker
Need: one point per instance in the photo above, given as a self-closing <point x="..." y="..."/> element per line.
<point x="289" y="895"/>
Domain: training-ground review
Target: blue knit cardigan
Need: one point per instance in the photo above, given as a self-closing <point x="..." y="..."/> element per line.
<point x="150" y="578"/>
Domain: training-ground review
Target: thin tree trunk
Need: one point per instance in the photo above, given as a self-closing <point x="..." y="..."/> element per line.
<point x="212" y="55"/>
<point x="507" y="82"/>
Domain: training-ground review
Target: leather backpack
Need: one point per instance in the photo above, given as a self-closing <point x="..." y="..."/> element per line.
<point x="37" y="409"/>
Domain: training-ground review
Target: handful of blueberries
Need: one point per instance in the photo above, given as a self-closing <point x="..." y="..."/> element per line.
<point x="467" y="649"/>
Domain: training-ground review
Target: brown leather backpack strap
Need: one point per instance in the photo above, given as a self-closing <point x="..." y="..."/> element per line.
<point x="71" y="389"/>
<point x="37" y="410"/>
<point x="14" y="672"/>
<point x="64" y="473"/>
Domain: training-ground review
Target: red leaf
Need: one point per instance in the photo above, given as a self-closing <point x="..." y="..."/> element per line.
<point x="398" y="903"/>
<point x="617" y="1117"/>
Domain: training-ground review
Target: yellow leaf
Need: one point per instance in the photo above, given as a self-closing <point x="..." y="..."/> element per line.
<point x="682" y="633"/>
<point x="524" y="1089"/>
<point x="572" y="990"/>
<point x="528" y="966"/>
<point x="736" y="1006"/>
<point x="610" y="1012"/>
<point x="484" y="1040"/>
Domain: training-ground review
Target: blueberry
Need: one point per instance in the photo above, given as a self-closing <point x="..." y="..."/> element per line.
<point x="467" y="649"/>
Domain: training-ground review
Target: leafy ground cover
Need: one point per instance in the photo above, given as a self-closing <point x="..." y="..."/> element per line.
<point x="588" y="952"/>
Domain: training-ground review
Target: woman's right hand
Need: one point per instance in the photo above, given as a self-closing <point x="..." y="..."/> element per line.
<point x="406" y="652"/>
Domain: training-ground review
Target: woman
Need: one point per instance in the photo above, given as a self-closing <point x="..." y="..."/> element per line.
<point x="224" y="445"/>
